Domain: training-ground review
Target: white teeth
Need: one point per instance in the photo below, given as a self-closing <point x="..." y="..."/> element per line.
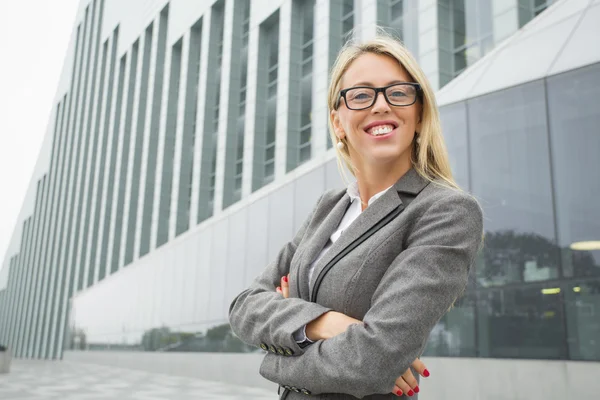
<point x="381" y="130"/>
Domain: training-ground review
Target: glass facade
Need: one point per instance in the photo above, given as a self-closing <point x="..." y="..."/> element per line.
<point x="529" y="155"/>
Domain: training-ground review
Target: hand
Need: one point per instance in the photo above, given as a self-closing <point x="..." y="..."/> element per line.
<point x="284" y="289"/>
<point x="332" y="323"/>
<point x="406" y="383"/>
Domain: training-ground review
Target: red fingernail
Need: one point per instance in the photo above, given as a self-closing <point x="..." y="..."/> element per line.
<point x="285" y="278"/>
<point x="278" y="287"/>
<point x="399" y="393"/>
<point x="416" y="389"/>
<point x="425" y="373"/>
<point x="410" y="393"/>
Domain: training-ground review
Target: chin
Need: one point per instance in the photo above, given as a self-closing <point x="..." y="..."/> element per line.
<point x="388" y="156"/>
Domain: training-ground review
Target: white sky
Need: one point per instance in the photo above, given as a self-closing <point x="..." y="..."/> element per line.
<point x="34" y="36"/>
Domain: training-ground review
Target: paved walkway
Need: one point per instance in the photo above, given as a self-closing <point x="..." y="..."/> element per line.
<point x="64" y="380"/>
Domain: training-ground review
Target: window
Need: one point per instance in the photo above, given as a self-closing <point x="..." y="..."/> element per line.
<point x="574" y="120"/>
<point x="240" y="126"/>
<point x="471" y="25"/>
<point x="211" y="114"/>
<point x="273" y="65"/>
<point x="510" y="171"/>
<point x="189" y="130"/>
<point x="347" y="20"/>
<point x="216" y="105"/>
<point x="307" y="15"/>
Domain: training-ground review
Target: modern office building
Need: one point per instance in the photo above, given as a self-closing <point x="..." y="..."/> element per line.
<point x="189" y="141"/>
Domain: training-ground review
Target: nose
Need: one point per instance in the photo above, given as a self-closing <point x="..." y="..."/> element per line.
<point x="381" y="104"/>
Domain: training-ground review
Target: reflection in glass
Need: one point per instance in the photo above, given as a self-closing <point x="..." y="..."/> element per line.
<point x="454" y="334"/>
<point x="510" y="172"/>
<point x="454" y="127"/>
<point x="574" y="119"/>
<point x="521" y="323"/>
<point x="583" y="325"/>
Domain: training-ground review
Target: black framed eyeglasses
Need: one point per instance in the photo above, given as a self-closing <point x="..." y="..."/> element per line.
<point x="397" y="94"/>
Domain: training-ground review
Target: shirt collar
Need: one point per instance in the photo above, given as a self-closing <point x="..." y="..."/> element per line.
<point x="352" y="191"/>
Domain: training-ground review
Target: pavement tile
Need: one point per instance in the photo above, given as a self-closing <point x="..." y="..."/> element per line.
<point x="64" y="380"/>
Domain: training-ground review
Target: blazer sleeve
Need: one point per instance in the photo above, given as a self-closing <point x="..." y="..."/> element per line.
<point x="415" y="292"/>
<point x="262" y="317"/>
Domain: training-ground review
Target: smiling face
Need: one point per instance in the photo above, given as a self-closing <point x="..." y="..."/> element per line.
<point x="382" y="134"/>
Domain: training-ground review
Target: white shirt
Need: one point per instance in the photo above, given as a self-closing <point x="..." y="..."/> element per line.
<point x="351" y="214"/>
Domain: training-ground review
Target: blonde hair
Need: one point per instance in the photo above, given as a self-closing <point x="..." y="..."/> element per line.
<point x="429" y="157"/>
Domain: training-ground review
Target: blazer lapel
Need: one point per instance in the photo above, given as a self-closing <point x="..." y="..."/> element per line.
<point x="318" y="241"/>
<point x="369" y="217"/>
<point x="409" y="184"/>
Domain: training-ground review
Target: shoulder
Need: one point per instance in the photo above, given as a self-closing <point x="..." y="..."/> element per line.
<point x="330" y="197"/>
<point x="438" y="197"/>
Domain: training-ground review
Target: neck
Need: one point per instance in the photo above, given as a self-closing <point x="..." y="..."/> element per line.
<point x="374" y="178"/>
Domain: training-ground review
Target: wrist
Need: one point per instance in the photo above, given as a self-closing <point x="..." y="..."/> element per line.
<point x="315" y="328"/>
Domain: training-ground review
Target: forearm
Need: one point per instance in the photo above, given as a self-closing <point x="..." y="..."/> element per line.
<point x="339" y="365"/>
<point x="266" y="317"/>
<point x="329" y="325"/>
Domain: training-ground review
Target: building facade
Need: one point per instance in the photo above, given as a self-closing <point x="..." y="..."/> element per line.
<point x="189" y="141"/>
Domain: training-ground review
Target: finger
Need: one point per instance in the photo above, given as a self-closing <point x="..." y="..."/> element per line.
<point x="406" y="389"/>
<point x="410" y="379"/>
<point x="285" y="286"/>
<point x="278" y="289"/>
<point x="397" y="391"/>
<point x="420" y="368"/>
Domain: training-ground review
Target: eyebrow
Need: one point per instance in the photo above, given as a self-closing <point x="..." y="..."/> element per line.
<point x="371" y="84"/>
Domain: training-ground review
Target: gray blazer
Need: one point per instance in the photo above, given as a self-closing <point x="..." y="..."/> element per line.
<point x="399" y="281"/>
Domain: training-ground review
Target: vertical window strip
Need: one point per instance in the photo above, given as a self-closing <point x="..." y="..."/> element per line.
<point x="216" y="107"/>
<point x="111" y="207"/>
<point x="396" y="15"/>
<point x="104" y="154"/>
<point x="36" y="278"/>
<point x="347" y="20"/>
<point x="119" y="216"/>
<point x="468" y="47"/>
<point x="304" y="148"/>
<point x="93" y="153"/>
<point x="132" y="222"/>
<point x="189" y="131"/>
<point x="156" y="111"/>
<point x="210" y="126"/>
<point x="16" y="307"/>
<point x="169" y="146"/>
<point x="239" y="159"/>
<point x="10" y="306"/>
<point x="272" y="76"/>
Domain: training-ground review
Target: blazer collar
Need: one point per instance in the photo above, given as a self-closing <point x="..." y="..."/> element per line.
<point x="411" y="183"/>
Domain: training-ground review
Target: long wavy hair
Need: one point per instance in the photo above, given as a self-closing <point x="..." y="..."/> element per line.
<point x="429" y="156"/>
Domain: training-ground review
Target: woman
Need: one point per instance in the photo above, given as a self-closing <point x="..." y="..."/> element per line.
<point x="374" y="266"/>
